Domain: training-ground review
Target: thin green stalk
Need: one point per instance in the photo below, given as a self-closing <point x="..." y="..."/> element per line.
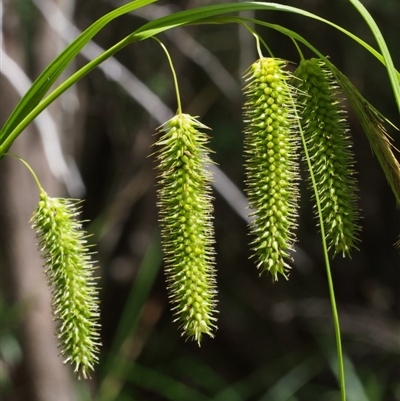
<point x="258" y="45"/>
<point x="335" y="314"/>
<point x="284" y="31"/>
<point x="258" y="40"/>
<point x="298" y="48"/>
<point x="178" y="97"/>
<point x="28" y="167"/>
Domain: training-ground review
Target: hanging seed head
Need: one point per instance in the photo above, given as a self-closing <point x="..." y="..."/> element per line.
<point x="185" y="212"/>
<point x="270" y="163"/>
<point x="329" y="146"/>
<point x="69" y="271"/>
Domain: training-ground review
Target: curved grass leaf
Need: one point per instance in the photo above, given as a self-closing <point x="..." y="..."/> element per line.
<point x="47" y="78"/>
<point x="201" y="14"/>
<point x="394" y="78"/>
<point x="30" y="106"/>
<point x="21" y="124"/>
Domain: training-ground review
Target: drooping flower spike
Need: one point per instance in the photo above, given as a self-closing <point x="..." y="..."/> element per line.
<point x="185" y="211"/>
<point x="329" y="146"/>
<point x="69" y="271"/>
<point x="271" y="141"/>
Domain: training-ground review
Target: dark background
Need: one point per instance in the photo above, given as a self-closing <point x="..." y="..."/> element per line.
<point x="275" y="341"/>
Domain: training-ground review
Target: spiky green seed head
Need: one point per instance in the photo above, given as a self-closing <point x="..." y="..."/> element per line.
<point x="271" y="142"/>
<point x="69" y="271"/>
<point x="329" y="145"/>
<point x="185" y="211"/>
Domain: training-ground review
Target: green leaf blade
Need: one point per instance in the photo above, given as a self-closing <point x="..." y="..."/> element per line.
<point x="47" y="78"/>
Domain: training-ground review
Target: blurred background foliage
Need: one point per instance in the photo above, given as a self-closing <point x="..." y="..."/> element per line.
<point x="275" y="341"/>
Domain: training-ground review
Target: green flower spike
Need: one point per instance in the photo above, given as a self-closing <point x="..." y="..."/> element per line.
<point x="329" y="145"/>
<point x="270" y="163"/>
<point x="69" y="272"/>
<point x="185" y="211"/>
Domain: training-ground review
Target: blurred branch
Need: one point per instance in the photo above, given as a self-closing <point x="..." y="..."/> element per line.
<point x="231" y="193"/>
<point x="64" y="171"/>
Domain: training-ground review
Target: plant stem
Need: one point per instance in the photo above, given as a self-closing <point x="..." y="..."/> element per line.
<point x="335" y="314"/>
<point x="298" y="48"/>
<point x="258" y="45"/>
<point x="178" y="97"/>
<point x="28" y="167"/>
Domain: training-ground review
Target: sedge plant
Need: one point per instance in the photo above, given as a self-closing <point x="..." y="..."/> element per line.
<point x="288" y="117"/>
